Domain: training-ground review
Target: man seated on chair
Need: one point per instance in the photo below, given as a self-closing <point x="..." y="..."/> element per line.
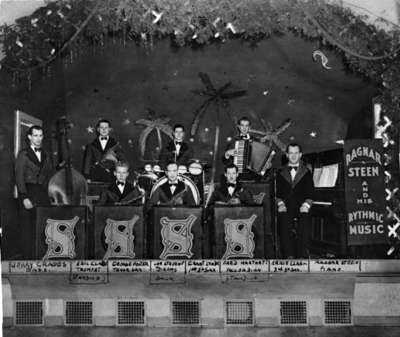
<point x="177" y="150"/>
<point x="230" y="152"/>
<point x="173" y="191"/>
<point x="231" y="192"/>
<point x="121" y="191"/>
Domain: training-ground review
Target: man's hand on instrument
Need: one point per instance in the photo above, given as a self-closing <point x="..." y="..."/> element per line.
<point x="304" y="208"/>
<point x="282" y="207"/>
<point x="230" y="153"/>
<point x="234" y="201"/>
<point x="27" y="203"/>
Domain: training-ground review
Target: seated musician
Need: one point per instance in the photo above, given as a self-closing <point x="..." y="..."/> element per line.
<point x="294" y="191"/>
<point x="177" y="150"/>
<point x="121" y="191"/>
<point x="101" y="154"/>
<point x="231" y="192"/>
<point x="173" y="191"/>
<point x="230" y="152"/>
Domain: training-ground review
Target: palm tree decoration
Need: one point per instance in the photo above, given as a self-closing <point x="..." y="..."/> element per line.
<point x="153" y="123"/>
<point x="219" y="97"/>
<point x="271" y="135"/>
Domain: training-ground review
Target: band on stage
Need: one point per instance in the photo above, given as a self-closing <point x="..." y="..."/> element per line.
<point x="177" y="179"/>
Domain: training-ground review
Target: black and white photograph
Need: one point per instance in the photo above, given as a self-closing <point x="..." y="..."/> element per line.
<point x="205" y="168"/>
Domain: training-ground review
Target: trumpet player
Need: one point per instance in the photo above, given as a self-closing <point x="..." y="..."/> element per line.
<point x="102" y="154"/>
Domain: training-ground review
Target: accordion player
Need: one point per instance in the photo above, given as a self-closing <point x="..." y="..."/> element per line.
<point x="252" y="157"/>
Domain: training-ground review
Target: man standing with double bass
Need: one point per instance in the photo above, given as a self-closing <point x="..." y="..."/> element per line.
<point x="33" y="169"/>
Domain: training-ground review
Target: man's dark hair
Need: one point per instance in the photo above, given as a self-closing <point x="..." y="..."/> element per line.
<point x="170" y="163"/>
<point x="231" y="166"/>
<point x="176" y="126"/>
<point x="243" y="119"/>
<point x="33" y="127"/>
<point x="294" y="145"/>
<point x="103" y="121"/>
<point x="121" y="164"/>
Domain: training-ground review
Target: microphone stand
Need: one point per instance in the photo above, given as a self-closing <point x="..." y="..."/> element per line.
<point x="275" y="214"/>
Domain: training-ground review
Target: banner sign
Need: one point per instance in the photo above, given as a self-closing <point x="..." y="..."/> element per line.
<point x="364" y="192"/>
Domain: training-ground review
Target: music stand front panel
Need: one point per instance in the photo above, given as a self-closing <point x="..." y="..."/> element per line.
<point x="163" y="217"/>
<point x="118" y="213"/>
<point x="224" y="216"/>
<point x="72" y="214"/>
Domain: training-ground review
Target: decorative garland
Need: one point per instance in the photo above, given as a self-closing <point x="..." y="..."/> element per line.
<point x="63" y="28"/>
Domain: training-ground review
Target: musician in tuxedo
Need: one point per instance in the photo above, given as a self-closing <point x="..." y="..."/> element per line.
<point x="230" y="191"/>
<point x="294" y="193"/>
<point x="121" y="191"/>
<point x="173" y="192"/>
<point x="101" y="155"/>
<point x="33" y="170"/>
<point x="177" y="150"/>
<point x="230" y="152"/>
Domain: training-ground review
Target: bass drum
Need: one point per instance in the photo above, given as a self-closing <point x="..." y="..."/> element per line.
<point x="187" y="181"/>
<point x="146" y="181"/>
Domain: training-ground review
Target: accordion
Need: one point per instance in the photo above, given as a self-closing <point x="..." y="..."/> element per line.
<point x="254" y="156"/>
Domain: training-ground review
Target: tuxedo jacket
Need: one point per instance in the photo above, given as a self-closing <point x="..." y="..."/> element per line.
<point x="168" y="154"/>
<point x="29" y="170"/>
<point x="113" y="196"/>
<point x="163" y="196"/>
<point x="221" y="194"/>
<point x="294" y="193"/>
<point x="94" y="167"/>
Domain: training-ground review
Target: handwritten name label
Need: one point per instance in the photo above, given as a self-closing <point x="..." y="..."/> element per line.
<point x="202" y="266"/>
<point x="335" y="266"/>
<point x="129" y="266"/>
<point x="167" y="271"/>
<point x="168" y="266"/>
<point x="89" y="266"/>
<point x="244" y="266"/>
<point x="88" y="278"/>
<point x="243" y="277"/>
<point x="289" y="266"/>
<point x="21" y="267"/>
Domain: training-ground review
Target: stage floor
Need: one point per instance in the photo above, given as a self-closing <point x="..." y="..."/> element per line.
<point x="196" y="332"/>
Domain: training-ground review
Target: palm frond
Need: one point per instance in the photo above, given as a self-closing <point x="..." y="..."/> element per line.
<point x="281" y="128"/>
<point x="198" y="116"/>
<point x="206" y="81"/>
<point x="143" y="139"/>
<point x="234" y="94"/>
<point x="144" y="122"/>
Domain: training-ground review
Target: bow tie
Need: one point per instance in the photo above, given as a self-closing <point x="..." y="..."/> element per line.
<point x="231" y="185"/>
<point x="293" y="168"/>
<point x="178" y="143"/>
<point x="172" y="184"/>
<point x="38" y="149"/>
<point x="103" y="138"/>
<point x="120" y="183"/>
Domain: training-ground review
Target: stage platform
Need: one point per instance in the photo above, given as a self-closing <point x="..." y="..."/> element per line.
<point x="211" y="294"/>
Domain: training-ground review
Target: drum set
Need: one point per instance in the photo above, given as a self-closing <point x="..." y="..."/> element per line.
<point x="192" y="175"/>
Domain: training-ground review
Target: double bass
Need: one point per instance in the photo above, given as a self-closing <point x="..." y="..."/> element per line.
<point x="67" y="186"/>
